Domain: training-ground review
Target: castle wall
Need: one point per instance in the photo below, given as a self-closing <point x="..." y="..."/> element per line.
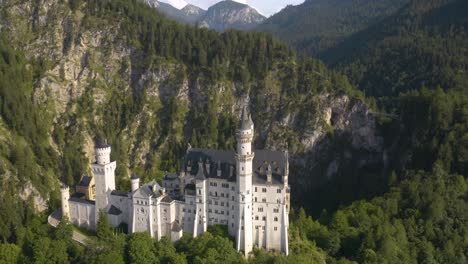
<point x="82" y="214"/>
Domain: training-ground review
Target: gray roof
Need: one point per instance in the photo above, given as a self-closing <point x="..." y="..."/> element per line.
<point x="101" y="143"/>
<point x="149" y="189"/>
<point x="114" y="210"/>
<point x="246" y="119"/>
<point x="225" y="160"/>
<point x="85" y="181"/>
<point x="167" y="199"/>
<point x="171" y="177"/>
<point x="119" y="193"/>
<point x="80" y="198"/>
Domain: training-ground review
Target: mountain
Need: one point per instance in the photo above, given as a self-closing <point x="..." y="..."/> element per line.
<point x="192" y="13"/>
<point x="221" y="16"/>
<point x="423" y="44"/>
<point x="317" y="25"/>
<point x="230" y="14"/>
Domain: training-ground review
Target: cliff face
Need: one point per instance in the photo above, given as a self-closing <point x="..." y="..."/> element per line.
<point x="230" y="14"/>
<point x="92" y="71"/>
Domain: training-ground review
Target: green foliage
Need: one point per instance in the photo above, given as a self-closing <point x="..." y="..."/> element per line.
<point x="104" y="231"/>
<point x="421" y="44"/>
<point x="316" y="26"/>
<point x="9" y="253"/>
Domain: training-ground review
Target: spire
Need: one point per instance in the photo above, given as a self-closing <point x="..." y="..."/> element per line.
<point x="246" y="119"/>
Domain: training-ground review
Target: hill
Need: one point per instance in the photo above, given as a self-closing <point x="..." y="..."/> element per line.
<point x="318" y="25"/>
<point x="421" y="45"/>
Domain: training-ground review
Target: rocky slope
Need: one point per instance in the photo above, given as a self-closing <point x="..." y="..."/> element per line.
<point x="229" y="14"/>
<point x="93" y="72"/>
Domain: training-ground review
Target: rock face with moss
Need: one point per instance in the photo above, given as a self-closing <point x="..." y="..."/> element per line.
<point x="97" y="78"/>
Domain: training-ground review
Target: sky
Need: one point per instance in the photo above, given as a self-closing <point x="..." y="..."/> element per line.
<point x="265" y="7"/>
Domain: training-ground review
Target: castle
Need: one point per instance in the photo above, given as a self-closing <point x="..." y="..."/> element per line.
<point x="247" y="191"/>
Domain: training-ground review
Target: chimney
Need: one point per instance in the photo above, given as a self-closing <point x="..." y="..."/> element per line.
<point x="207" y="167"/>
<point x="218" y="171"/>
<point x="269" y="174"/>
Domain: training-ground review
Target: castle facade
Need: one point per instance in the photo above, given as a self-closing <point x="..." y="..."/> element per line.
<point x="246" y="190"/>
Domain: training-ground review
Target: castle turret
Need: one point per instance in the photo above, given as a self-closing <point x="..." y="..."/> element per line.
<point x="135" y="182"/>
<point x="65" y="195"/>
<point x="104" y="176"/>
<point x="244" y="159"/>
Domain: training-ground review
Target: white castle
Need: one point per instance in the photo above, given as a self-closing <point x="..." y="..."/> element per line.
<point x="247" y="191"/>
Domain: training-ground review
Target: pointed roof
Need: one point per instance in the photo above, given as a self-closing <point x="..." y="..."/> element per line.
<point x="246" y="119"/>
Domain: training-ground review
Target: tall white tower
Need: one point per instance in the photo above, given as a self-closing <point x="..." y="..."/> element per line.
<point x="104" y="176"/>
<point x="65" y="195"/>
<point x="244" y="159"/>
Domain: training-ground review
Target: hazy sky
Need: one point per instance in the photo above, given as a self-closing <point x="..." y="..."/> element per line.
<point x="266" y="7"/>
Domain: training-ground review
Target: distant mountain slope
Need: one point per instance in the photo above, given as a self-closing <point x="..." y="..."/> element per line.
<point x="425" y="43"/>
<point x="317" y="25"/>
<point x="230" y="14"/>
<point x="221" y="16"/>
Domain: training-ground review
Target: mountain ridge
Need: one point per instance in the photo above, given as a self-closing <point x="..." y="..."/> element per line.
<point x="221" y="16"/>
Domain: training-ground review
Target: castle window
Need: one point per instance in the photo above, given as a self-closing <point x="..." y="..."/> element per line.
<point x="278" y="200"/>
<point x="264" y="218"/>
<point x="222" y="212"/>
<point x="216" y="202"/>
<point x="232" y="198"/>
<point x="264" y="190"/>
<point x="276" y="219"/>
<point x="276" y="210"/>
<point x="232" y="188"/>
<point x="260" y="209"/>
<point x="264" y="200"/>
<point x="199" y="191"/>
<point x="255" y="199"/>
<point x="276" y="228"/>
<point x="222" y="203"/>
<point x="278" y="191"/>
<point x="216" y="193"/>
<point x="255" y="189"/>
<point x="256" y="217"/>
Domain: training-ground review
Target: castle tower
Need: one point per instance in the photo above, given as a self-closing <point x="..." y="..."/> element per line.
<point x="135" y="182"/>
<point x="65" y="194"/>
<point x="244" y="159"/>
<point x="104" y="176"/>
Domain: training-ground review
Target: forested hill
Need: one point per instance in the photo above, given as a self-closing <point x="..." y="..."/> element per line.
<point x="70" y="71"/>
<point x="318" y="25"/>
<point x="423" y="44"/>
<point x="383" y="47"/>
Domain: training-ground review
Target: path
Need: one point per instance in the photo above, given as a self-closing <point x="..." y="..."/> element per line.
<point x="54" y="220"/>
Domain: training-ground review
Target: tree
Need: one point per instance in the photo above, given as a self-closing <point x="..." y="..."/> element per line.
<point x="104" y="231"/>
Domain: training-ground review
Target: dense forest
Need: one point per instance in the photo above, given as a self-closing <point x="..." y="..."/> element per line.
<point x="409" y="207"/>
<point x="315" y="26"/>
